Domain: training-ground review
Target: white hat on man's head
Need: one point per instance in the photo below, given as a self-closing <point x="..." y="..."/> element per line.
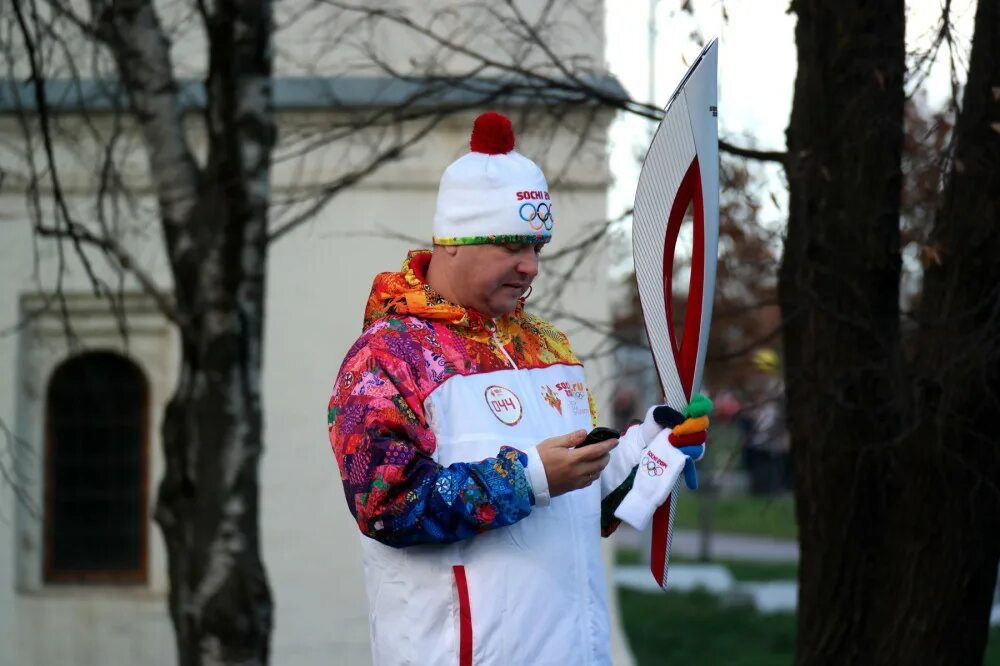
<point x="493" y="194"/>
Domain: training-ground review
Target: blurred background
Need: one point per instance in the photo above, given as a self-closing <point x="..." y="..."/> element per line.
<point x="194" y="198"/>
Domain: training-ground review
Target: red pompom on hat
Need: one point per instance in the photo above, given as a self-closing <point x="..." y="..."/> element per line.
<point x="492" y="134"/>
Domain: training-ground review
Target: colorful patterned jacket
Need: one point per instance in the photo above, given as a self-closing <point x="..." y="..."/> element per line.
<point x="434" y="420"/>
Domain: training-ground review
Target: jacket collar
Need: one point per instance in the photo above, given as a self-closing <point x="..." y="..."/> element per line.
<point x="407" y="293"/>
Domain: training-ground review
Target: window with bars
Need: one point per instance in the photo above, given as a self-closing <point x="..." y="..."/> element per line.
<point x="96" y="471"/>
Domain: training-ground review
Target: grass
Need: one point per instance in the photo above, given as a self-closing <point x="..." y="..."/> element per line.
<point x="759" y="516"/>
<point x="699" y="628"/>
<point x="992" y="657"/>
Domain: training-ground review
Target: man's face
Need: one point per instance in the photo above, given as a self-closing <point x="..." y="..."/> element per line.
<point x="491" y="278"/>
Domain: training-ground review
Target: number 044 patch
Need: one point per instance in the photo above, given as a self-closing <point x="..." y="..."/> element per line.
<point x="504" y="404"/>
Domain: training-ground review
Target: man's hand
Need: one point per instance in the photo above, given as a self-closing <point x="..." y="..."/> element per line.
<point x="567" y="468"/>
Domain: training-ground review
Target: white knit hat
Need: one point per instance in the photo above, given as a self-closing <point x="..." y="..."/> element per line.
<point x="493" y="194"/>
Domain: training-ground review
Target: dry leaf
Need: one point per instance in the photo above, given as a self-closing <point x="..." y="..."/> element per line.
<point x="931" y="254"/>
<point x="995" y="127"/>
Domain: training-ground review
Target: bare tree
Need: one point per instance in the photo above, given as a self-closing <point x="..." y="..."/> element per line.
<point x="950" y="457"/>
<point x="895" y="453"/>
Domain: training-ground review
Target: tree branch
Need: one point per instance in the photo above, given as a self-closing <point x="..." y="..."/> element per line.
<point x="132" y="30"/>
<point x="112" y="248"/>
<point x="335" y="187"/>
<point x="11" y="476"/>
<point x="750" y="153"/>
<point x="536" y="79"/>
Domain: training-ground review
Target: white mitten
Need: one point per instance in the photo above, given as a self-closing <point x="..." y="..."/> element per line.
<point x="660" y="466"/>
<point x="631" y="443"/>
<point x="626" y="455"/>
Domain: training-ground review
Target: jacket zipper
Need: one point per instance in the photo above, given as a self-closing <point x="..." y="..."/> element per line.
<point x="493" y="334"/>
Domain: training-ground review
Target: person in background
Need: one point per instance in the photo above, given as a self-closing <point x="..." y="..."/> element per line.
<point x="768" y="449"/>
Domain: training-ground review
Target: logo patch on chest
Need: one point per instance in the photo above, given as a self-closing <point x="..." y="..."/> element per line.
<point x="572" y="394"/>
<point x="550" y="397"/>
<point x="504" y="404"/>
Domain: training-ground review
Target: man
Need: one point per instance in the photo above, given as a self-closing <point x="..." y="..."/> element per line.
<point x="455" y="420"/>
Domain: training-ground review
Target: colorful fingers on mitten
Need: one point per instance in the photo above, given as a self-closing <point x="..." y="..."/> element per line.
<point x="690" y="436"/>
<point x="694" y="429"/>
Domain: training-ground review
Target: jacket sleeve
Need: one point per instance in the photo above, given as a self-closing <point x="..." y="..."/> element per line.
<point x="397" y="493"/>
<point x="609" y="521"/>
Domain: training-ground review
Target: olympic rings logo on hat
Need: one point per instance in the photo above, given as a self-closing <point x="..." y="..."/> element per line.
<point x="653" y="468"/>
<point x="537" y="216"/>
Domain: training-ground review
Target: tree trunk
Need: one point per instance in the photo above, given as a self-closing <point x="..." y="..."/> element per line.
<point x="208" y="504"/>
<point x="215" y="228"/>
<point x="208" y="507"/>
<point x="945" y="539"/>
<point x="839" y="292"/>
<point x="897" y="468"/>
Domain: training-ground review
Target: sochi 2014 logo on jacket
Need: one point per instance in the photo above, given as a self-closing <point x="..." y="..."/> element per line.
<point x="535" y="208"/>
<point x="575" y="394"/>
<point x="504" y="404"/>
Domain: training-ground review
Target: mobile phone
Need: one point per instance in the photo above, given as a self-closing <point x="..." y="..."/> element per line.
<point x="598" y="434"/>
